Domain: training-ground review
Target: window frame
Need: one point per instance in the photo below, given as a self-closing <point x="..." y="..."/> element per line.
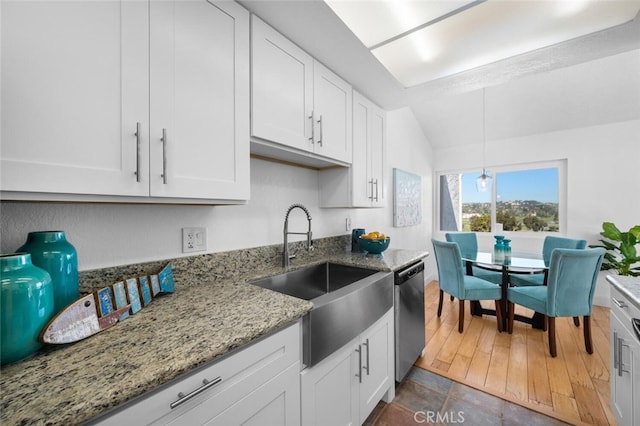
<point x="560" y="164"/>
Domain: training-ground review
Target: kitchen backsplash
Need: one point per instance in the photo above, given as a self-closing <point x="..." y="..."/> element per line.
<point x="213" y="266"/>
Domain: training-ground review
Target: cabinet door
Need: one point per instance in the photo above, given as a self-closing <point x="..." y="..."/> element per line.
<point x="377" y="365"/>
<point x="332" y="114"/>
<point x="281" y="88"/>
<point x="376" y="154"/>
<point x="330" y="390"/>
<point x="624" y="365"/>
<point x="74" y="90"/>
<point x="199" y="75"/>
<point x="361" y="196"/>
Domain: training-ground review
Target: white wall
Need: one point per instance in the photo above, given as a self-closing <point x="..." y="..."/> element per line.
<point x="117" y="234"/>
<point x="603" y="178"/>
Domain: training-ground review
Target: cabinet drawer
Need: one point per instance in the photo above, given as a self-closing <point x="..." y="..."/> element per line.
<point x="622" y="307"/>
<point x="232" y="378"/>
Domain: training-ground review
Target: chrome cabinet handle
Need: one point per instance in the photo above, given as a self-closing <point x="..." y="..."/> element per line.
<point x="312" y="138"/>
<point x="367" y="345"/>
<point x="615" y="350"/>
<point x="620" y="303"/>
<point x="376" y="189"/>
<point x="371" y="196"/>
<point x="164" y="156"/>
<point x="620" y="363"/>
<point x="359" y="373"/>
<point x="320" y="122"/>
<point x="182" y="398"/>
<point x="138" y="136"/>
<point x="619" y="350"/>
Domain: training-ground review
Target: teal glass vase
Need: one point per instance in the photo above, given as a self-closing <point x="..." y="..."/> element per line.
<point x="498" y="249"/>
<point x="26" y="306"/>
<point x="51" y="251"/>
<point x="506" y="248"/>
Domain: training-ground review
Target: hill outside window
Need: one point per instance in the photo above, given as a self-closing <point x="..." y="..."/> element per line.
<point x="524" y="198"/>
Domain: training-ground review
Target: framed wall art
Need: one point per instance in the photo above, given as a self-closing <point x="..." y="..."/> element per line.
<point x="407" y="198"/>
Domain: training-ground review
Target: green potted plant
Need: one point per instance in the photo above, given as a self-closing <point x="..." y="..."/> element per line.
<point x="621" y="249"/>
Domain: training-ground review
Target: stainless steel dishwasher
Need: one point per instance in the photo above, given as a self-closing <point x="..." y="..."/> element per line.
<point x="409" y="317"/>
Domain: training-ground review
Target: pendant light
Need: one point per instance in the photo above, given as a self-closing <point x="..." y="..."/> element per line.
<point x="483" y="182"/>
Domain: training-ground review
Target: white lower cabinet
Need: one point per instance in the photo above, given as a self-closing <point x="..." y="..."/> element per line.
<point x="625" y="361"/>
<point x="345" y="387"/>
<point x="258" y="385"/>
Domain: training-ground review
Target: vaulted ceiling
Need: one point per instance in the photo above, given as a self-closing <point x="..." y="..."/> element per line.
<point x="590" y="80"/>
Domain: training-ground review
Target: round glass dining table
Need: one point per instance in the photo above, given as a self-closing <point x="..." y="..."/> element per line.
<point x="512" y="265"/>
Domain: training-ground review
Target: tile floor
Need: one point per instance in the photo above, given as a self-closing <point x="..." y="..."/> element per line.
<point x="426" y="398"/>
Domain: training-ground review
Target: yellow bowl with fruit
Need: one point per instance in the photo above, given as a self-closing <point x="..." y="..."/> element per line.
<point x="374" y="242"/>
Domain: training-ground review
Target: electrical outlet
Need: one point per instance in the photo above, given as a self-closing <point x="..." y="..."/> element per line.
<point x="194" y="239"/>
<point x="347" y="224"/>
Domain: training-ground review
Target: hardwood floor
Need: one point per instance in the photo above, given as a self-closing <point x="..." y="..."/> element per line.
<point x="573" y="387"/>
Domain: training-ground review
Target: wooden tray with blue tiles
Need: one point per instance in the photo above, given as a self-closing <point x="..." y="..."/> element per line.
<point x="104" y="308"/>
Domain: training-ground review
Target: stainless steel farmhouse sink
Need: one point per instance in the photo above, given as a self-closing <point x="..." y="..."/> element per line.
<point x="346" y="300"/>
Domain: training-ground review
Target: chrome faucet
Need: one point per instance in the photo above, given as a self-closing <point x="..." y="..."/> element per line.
<point x="285" y="255"/>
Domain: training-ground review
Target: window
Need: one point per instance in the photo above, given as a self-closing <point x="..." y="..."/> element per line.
<point x="522" y="199"/>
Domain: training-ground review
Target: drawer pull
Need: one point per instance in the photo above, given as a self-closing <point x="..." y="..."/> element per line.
<point x="620" y="303"/>
<point x="182" y="398"/>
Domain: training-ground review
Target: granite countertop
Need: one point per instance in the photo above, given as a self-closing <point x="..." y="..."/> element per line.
<point x="202" y="321"/>
<point x="629" y="286"/>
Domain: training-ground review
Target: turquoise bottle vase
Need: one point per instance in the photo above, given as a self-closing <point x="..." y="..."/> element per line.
<point x="51" y="251"/>
<point x="26" y="306"/>
<point x="498" y="249"/>
<point x="506" y="248"/>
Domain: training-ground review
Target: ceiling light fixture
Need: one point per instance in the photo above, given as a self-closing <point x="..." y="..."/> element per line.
<point x="483" y="182"/>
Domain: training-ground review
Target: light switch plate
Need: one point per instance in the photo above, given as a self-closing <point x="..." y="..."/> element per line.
<point x="194" y="239"/>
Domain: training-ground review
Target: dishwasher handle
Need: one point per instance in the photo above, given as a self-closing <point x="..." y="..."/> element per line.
<point x="408" y="273"/>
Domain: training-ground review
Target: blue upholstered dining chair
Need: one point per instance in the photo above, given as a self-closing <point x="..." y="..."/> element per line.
<point x="550" y="243"/>
<point x="468" y="243"/>
<point x="569" y="291"/>
<point x="452" y="280"/>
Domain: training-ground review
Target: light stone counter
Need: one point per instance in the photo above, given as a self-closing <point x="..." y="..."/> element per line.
<point x="629" y="286"/>
<point x="213" y="311"/>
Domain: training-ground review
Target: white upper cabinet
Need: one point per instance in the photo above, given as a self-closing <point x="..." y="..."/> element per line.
<point x="332" y="109"/>
<point x="281" y="88"/>
<point x="199" y="117"/>
<point x="361" y="185"/>
<point x="90" y="88"/>
<point x="299" y="108"/>
<point x="74" y="87"/>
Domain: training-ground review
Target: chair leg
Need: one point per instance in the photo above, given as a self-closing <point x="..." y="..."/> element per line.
<point x="511" y="308"/>
<point x="461" y="317"/>
<point x="440" y="303"/>
<point x="552" y="336"/>
<point x="499" y="316"/>
<point x="576" y="321"/>
<point x="587" y="334"/>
